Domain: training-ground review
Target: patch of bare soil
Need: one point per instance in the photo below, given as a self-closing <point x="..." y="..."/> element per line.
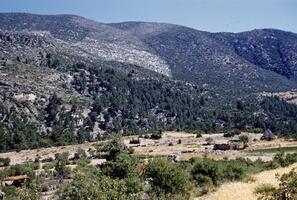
<point x="43" y="153"/>
<point x="289" y="96"/>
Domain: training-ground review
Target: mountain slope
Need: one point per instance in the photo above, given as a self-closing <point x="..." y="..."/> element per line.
<point x="66" y="79"/>
<point x="87" y="39"/>
<point x="199" y="57"/>
<point x="263" y="60"/>
<point x="270" y="49"/>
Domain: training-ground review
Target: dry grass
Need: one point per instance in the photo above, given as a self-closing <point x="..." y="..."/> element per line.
<point x="30" y="155"/>
<point x="245" y="191"/>
<point x="271" y="144"/>
<point x="190" y="147"/>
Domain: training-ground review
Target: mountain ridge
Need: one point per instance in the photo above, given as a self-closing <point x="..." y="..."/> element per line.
<point x="182" y="52"/>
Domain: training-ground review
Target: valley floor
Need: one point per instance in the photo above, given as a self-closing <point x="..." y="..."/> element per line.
<point x="190" y="146"/>
<point x="186" y="146"/>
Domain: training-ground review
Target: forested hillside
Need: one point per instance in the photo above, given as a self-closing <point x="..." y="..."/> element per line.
<point x="65" y="79"/>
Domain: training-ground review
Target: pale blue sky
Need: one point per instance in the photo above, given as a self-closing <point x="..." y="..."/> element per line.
<point x="208" y="15"/>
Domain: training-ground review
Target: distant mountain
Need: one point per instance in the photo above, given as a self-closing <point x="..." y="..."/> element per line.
<point x="257" y="60"/>
<point x="66" y="79"/>
<point x="218" y="59"/>
<point x="270" y="49"/>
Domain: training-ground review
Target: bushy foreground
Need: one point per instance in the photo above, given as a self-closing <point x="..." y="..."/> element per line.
<point x="128" y="177"/>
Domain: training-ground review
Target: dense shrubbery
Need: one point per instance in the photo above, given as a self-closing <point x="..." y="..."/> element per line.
<point x="60" y="165"/>
<point x="166" y="177"/>
<point x="231" y="133"/>
<point x="285" y="160"/>
<point x="127" y="177"/>
<point x="208" y="173"/>
<point x="112" y="149"/>
<point x="157" y="135"/>
<point x="30" y="190"/>
<point x="95" y="187"/>
<point x="281" y="116"/>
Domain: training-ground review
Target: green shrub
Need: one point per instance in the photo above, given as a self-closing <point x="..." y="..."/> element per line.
<point x="20" y="169"/>
<point x="82" y="162"/>
<point x="232" y="133"/>
<point x="113" y="148"/>
<point x="233" y="172"/>
<point x="60" y="165"/>
<point x="47" y="166"/>
<point x="291" y="158"/>
<point x="123" y="166"/>
<point x="80" y="153"/>
<point x="285" y="160"/>
<point x="209" y="140"/>
<point x="86" y="187"/>
<point x="265" y="190"/>
<point x="198" y="135"/>
<point x="166" y="177"/>
<point x="4" y="162"/>
<point x="33" y="165"/>
<point x="146" y="136"/>
<point x="244" y="139"/>
<point x="256" y="130"/>
<point x="156" y="136"/>
<point x="206" y="172"/>
<point x="229" y="134"/>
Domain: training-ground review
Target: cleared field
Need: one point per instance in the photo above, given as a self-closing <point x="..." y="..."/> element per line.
<point x="29" y="155"/>
<point x="245" y="191"/>
<point x="275" y="150"/>
<point x="186" y="145"/>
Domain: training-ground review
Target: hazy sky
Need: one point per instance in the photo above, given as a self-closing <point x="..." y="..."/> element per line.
<point x="209" y="15"/>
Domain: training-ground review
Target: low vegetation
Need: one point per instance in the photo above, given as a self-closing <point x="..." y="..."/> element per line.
<point x="4" y="162"/>
<point x="275" y="150"/>
<point x="286" y="190"/>
<point x="126" y="176"/>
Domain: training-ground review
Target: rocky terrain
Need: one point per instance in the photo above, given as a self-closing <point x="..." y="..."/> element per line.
<point x="259" y="59"/>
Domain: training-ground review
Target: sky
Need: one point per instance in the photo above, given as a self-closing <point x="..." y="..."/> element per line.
<point x="207" y="15"/>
